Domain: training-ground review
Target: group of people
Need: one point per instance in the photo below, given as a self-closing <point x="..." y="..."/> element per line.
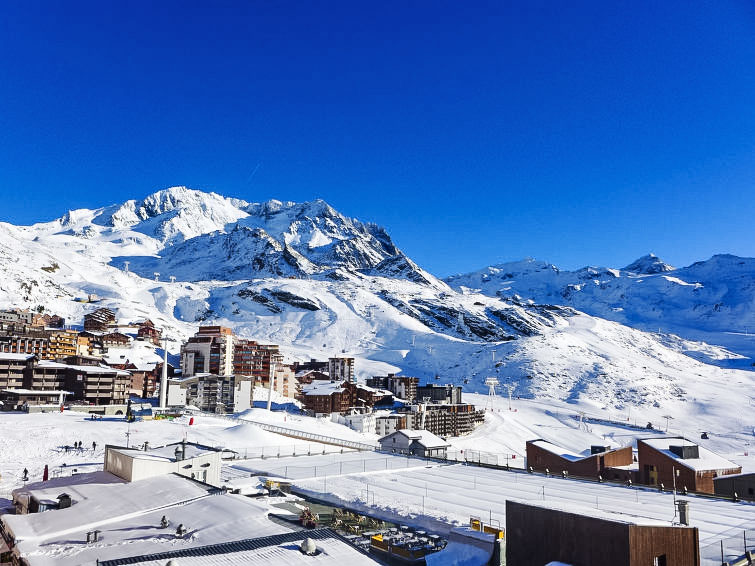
<point x="78" y="445"/>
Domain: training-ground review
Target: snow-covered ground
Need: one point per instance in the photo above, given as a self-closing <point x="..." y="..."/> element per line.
<point x="32" y="441"/>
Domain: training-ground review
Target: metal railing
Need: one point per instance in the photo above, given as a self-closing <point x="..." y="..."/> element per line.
<point x="729" y="551"/>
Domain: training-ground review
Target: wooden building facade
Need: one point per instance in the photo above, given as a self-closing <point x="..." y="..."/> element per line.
<point x="537" y="535"/>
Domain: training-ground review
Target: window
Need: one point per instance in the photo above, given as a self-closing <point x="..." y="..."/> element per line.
<point x="659" y="560"/>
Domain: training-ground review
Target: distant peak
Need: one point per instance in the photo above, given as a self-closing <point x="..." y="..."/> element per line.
<point x="649" y="264"/>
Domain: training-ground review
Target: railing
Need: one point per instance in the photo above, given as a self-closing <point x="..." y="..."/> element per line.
<point x="295" y="433"/>
<point x="729" y="551"/>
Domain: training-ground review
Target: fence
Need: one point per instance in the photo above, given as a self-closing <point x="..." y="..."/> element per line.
<point x="283" y="451"/>
<point x="731" y="550"/>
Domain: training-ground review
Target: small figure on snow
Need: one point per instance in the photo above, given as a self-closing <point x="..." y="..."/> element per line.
<point x="94" y="446"/>
<point x="26" y="475"/>
<point x="181" y="530"/>
<point x="164" y="522"/>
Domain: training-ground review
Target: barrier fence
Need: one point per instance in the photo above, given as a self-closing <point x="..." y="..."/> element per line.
<point x="729" y="551"/>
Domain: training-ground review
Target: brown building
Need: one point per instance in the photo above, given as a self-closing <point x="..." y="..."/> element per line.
<point x="537" y="535"/>
<point x="149" y="333"/>
<point x="115" y="340"/>
<point x="321" y="396"/>
<point x="99" y="320"/>
<point x="599" y="460"/>
<point x="98" y="385"/>
<point x="743" y="485"/>
<point x="677" y="461"/>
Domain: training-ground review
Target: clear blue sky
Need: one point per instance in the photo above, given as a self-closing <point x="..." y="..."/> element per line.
<point x="476" y="132"/>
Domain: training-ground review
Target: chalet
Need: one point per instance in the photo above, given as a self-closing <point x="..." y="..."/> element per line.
<point x="321" y="397"/>
<point x="115" y="340"/>
<point x="99" y="320"/>
<point x="538" y="534"/>
<point x="414" y="442"/>
<point x="677" y="461"/>
<point x="149" y="333"/>
<point x="610" y="463"/>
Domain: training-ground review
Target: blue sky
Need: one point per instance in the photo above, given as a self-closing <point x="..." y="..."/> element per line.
<point x="578" y="133"/>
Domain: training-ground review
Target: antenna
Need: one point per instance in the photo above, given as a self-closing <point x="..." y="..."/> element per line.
<point x="157" y="276"/>
<point x="492" y="383"/>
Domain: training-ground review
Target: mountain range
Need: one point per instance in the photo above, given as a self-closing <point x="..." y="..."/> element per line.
<point x="320" y="284"/>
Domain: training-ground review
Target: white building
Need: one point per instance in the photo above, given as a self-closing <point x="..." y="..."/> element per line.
<point x="194" y="461"/>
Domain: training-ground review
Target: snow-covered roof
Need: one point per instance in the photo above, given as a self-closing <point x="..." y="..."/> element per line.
<point x="167" y="452"/>
<point x="424" y="437"/>
<point x="7" y="356"/>
<point x="82" y="369"/>
<point x="282" y="550"/>
<point x="707" y="460"/>
<point x="211" y="521"/>
<point x="97" y="497"/>
<point x="557" y="450"/>
<point x="36" y="392"/>
<point x="322" y="387"/>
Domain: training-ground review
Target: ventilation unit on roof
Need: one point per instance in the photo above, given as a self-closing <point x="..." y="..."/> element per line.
<point x="686" y="451"/>
<point x="596" y="449"/>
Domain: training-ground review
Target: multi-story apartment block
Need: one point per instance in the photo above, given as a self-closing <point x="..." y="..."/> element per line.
<point x="12" y="368"/>
<point x="212" y="393"/>
<point x="210" y="350"/>
<point x="342" y="369"/>
<point x="401" y="386"/>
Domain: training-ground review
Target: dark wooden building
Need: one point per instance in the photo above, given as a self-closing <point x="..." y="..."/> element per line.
<point x="678" y="461"/>
<point x="537" y="535"/>
<point x="741" y="484"/>
<point x="99" y="320"/>
<point x="599" y="460"/>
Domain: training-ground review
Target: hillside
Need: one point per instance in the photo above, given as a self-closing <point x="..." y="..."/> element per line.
<point x="304" y="276"/>
<point x="711" y="300"/>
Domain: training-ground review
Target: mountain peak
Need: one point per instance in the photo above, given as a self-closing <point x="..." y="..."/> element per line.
<point x="648" y="265"/>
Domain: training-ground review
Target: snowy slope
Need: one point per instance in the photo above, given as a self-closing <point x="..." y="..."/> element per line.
<point x="320" y="284"/>
<point x="711" y="300"/>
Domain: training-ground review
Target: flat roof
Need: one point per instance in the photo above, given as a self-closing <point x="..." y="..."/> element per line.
<point x="166" y="452"/>
<point x="707" y="460"/>
<point x="97" y="497"/>
<point x="13" y="357"/>
<point x="37" y="392"/>
<point x="587" y="511"/>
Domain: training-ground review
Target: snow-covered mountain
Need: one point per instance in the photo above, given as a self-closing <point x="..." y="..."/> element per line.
<point x="320" y="284"/>
<point x="711" y="300"/>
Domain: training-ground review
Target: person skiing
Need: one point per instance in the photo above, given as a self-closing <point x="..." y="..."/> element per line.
<point x="164" y="522"/>
<point x="94" y="446"/>
<point x="26" y="475"/>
